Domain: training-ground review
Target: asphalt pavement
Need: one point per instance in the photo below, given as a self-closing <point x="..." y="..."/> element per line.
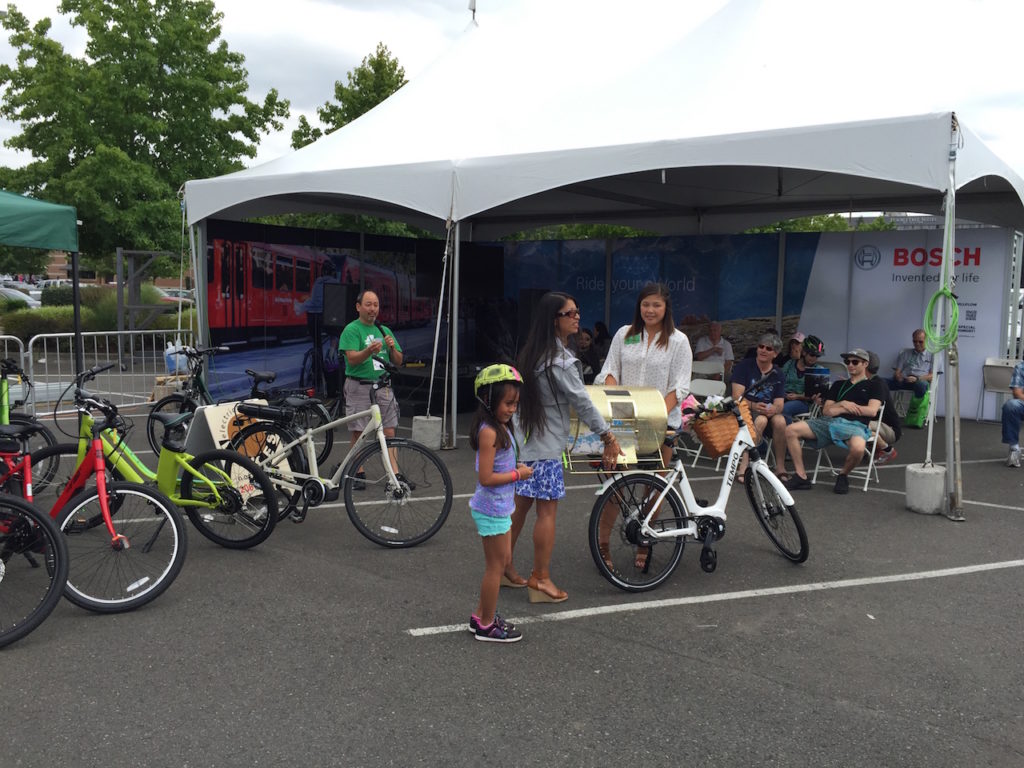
<point x="896" y="644"/>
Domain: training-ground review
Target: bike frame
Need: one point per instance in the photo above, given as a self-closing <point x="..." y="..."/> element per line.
<point x="677" y="482"/>
<point x="272" y="463"/>
<point x="170" y="466"/>
<point x="91" y="463"/>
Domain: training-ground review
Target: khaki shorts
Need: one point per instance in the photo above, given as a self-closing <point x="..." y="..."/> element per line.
<point x="885" y="432"/>
<point x="357" y="398"/>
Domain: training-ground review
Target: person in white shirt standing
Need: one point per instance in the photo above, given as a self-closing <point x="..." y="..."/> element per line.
<point x="649" y="353"/>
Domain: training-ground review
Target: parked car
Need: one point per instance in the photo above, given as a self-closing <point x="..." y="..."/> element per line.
<point x="16" y="295"/>
<point x="176" y="295"/>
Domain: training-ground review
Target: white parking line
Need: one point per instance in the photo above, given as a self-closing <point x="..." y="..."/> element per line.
<point x="604" y="610"/>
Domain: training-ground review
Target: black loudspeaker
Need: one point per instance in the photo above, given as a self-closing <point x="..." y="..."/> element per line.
<point x="339" y="304"/>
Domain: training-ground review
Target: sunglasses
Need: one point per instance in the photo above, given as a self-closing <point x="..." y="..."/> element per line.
<point x="767" y="347"/>
<point x="574" y="313"/>
<point x="854" y="361"/>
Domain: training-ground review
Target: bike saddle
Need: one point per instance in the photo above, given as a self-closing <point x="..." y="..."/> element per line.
<point x="260" y="377"/>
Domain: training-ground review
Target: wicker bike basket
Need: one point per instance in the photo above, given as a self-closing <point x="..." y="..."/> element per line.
<point x="717" y="432"/>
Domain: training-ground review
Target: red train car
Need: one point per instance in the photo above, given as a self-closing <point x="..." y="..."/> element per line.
<point x="255" y="291"/>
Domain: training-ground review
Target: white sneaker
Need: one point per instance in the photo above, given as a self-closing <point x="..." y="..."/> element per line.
<point x="1013" y="460"/>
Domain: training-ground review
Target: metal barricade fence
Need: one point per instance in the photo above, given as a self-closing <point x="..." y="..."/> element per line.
<point x="14" y="348"/>
<point x="138" y="355"/>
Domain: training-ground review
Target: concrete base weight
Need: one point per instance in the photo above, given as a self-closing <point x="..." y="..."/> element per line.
<point x="926" y="489"/>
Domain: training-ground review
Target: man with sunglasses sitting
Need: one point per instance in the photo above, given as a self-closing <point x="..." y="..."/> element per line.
<point x="850" y="405"/>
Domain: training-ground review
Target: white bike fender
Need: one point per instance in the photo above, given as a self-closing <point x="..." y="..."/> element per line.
<point x="784" y="494"/>
<point x="616" y="476"/>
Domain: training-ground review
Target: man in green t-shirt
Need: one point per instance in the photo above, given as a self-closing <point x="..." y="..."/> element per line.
<point x="363" y="342"/>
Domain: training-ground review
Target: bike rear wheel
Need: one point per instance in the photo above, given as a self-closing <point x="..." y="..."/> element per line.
<point x="33" y="568"/>
<point x="175" y="403"/>
<point x="779" y="520"/>
<point x="109" y="579"/>
<point x="619" y="551"/>
<point x="239" y="501"/>
<point x="402" y="517"/>
<point x="261" y="440"/>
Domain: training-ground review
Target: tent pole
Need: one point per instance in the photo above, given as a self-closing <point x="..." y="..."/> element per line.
<point x="453" y="329"/>
<point x="954" y="483"/>
<point x="76" y="294"/>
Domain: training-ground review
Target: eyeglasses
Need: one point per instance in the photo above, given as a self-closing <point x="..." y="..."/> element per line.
<point x="919" y="341"/>
<point x="766" y="347"/>
<point x="574" y="313"/>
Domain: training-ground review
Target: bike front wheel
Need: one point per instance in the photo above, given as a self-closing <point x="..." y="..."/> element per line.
<point x="622" y="554"/>
<point x="107" y="576"/>
<point x="171" y="404"/>
<point x="238" y="502"/>
<point x="779" y="520"/>
<point x="403" y="516"/>
<point x="33" y="568"/>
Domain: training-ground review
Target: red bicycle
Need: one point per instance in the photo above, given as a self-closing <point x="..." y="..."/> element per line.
<point x="126" y="542"/>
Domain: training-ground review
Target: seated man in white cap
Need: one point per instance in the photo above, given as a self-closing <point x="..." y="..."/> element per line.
<point x="850" y="405"/>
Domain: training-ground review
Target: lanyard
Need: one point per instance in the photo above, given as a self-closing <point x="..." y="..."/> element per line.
<point x="843" y="392"/>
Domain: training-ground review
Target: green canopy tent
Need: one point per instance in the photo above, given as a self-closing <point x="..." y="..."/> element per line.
<point x="31" y="223"/>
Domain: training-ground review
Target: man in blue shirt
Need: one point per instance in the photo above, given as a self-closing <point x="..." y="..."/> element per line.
<point x="766" y="404"/>
<point x="1013" y="410"/>
<point x="913" y="368"/>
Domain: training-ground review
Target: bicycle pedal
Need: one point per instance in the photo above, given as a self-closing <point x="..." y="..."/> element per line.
<point x="298" y="516"/>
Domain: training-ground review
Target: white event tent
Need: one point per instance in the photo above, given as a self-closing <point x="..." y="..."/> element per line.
<point x="676" y="117"/>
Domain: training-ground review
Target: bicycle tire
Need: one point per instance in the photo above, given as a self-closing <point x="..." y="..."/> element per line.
<point x="407" y="517"/>
<point x="108" y="580"/>
<point x="64" y="456"/>
<point x="247" y="511"/>
<point x="38" y="438"/>
<point x="306" y="375"/>
<point x="29" y="590"/>
<point x="779" y="520"/>
<point x="176" y="403"/>
<point x="260" y="440"/>
<point x="617" y="511"/>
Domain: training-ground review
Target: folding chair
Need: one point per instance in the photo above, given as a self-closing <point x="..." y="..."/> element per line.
<point x="995" y="377"/>
<point x="867" y="472"/>
<point x="707" y="369"/>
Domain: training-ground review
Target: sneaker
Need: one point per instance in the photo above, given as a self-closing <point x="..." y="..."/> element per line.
<point x="884" y="457"/>
<point x="496" y="633"/>
<point x="842" y="484"/>
<point x="359" y="484"/>
<point x="1013" y="460"/>
<point x="474" y="622"/>
<point x="797" y="483"/>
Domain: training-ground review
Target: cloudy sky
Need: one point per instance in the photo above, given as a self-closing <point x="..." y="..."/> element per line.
<point x="301" y="47"/>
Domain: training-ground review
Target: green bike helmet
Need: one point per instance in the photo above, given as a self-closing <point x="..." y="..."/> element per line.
<point x="493" y="374"/>
<point x="814" y="345"/>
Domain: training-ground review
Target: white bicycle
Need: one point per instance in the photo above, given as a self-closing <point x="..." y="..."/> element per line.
<point x="641" y="520"/>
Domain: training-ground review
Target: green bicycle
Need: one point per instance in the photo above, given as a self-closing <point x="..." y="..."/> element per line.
<point x="228" y="498"/>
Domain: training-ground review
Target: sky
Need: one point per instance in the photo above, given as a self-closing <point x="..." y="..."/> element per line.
<point x="301" y="47"/>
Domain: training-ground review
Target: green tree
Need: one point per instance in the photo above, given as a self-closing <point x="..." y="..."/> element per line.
<point x="157" y="99"/>
<point x="26" y="261"/>
<point x="829" y="222"/>
<point x="379" y="76"/>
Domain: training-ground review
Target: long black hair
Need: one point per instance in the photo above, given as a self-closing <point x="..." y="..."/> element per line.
<point x="539" y="351"/>
<point x="487" y="400"/>
<point x="667" y="326"/>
